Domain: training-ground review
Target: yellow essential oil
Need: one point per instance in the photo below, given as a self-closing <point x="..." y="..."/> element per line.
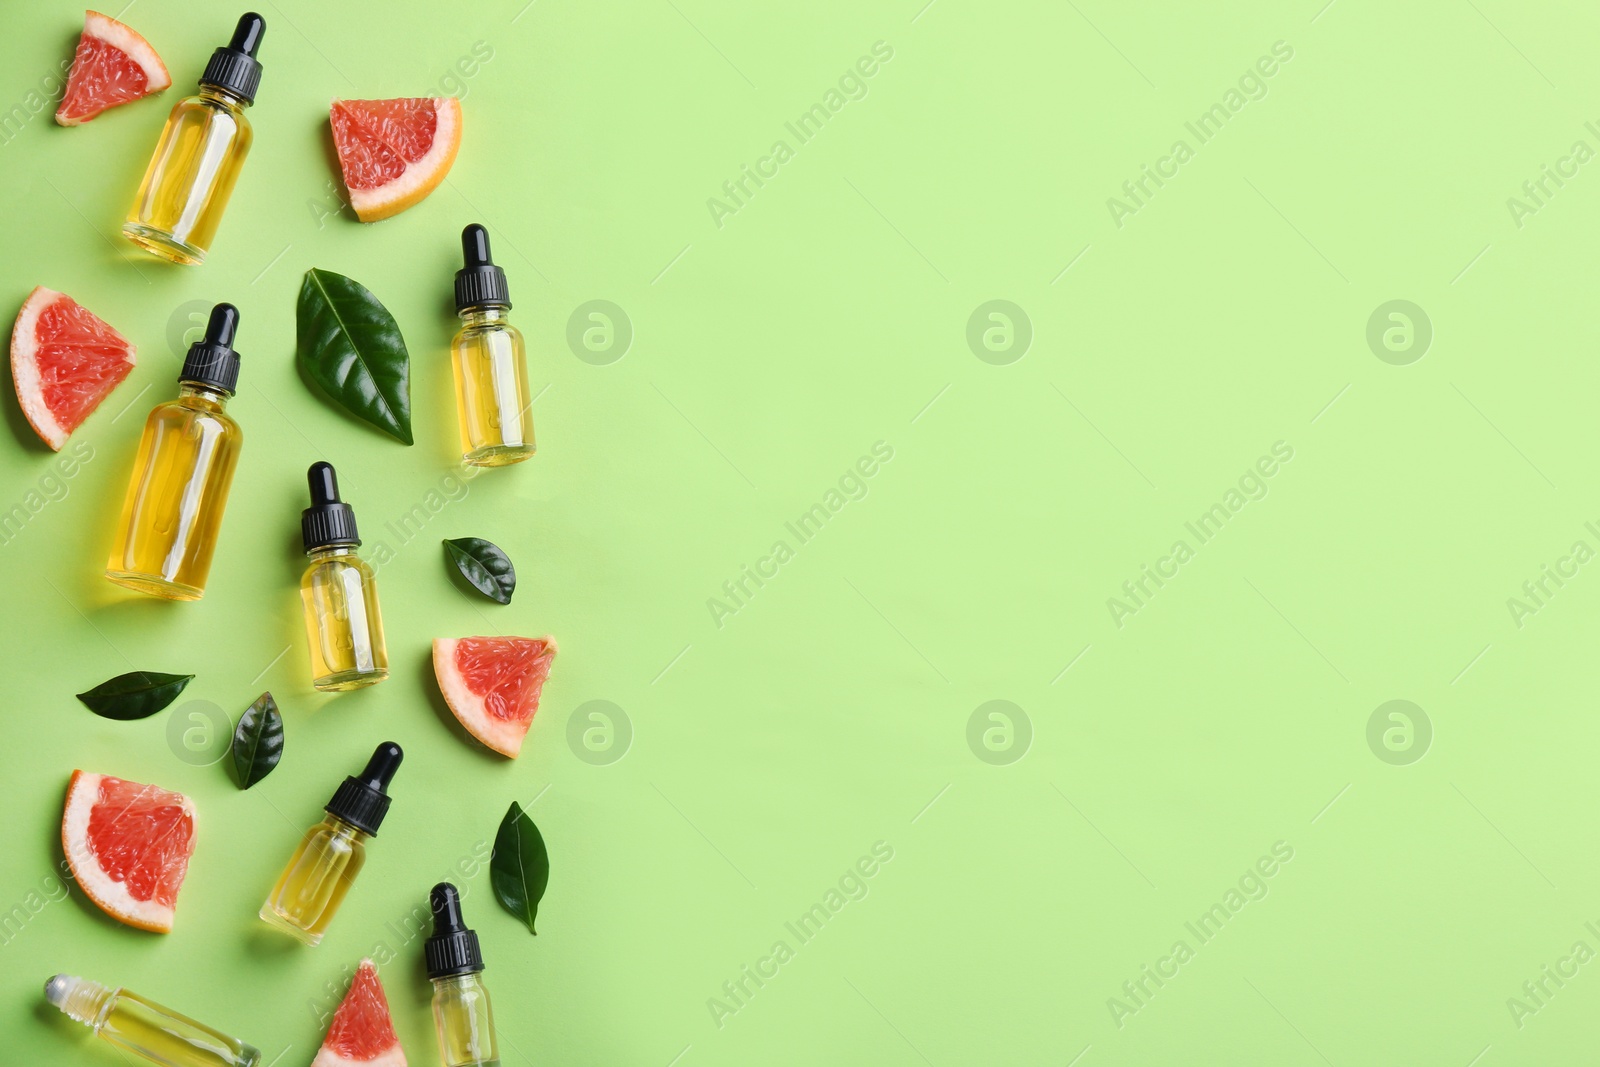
<point x="461" y="1012"/>
<point x="198" y="158"/>
<point x="142" y="1026"/>
<point x="339" y="592"/>
<point x="489" y="362"/>
<point x="182" y="474"/>
<point x="332" y="853"/>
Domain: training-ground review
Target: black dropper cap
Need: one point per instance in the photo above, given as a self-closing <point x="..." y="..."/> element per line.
<point x="453" y="949"/>
<point x="235" y="69"/>
<point x="363" y="802"/>
<point x="328" y="521"/>
<point x="480" y="283"/>
<point x="211" y="361"/>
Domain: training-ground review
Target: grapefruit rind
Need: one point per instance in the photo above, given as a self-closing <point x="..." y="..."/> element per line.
<point x="125" y="39"/>
<point x="502" y="735"/>
<point x="25" y="367"/>
<point x="366" y="996"/>
<point x="420" y="177"/>
<point x="109" y="895"/>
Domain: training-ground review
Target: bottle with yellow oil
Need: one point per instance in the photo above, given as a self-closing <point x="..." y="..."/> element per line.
<point x="129" y="1021"/>
<point x="198" y="158"/>
<point x="489" y="362"/>
<point x="339" y="593"/>
<point x="461" y="1012"/>
<point x="332" y="853"/>
<point x="182" y="475"/>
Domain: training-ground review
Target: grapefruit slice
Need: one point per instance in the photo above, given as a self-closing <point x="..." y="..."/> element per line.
<point x="112" y="66"/>
<point x="128" y="846"/>
<point x="394" y="152"/>
<point x="64" y="362"/>
<point x="362" y="1031"/>
<point x="492" y="684"/>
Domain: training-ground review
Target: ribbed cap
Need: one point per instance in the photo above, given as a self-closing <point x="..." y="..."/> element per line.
<point x="453" y="949"/>
<point x="211" y="361"/>
<point x="363" y="802"/>
<point x="328" y="521"/>
<point x="235" y="68"/>
<point x="480" y="283"/>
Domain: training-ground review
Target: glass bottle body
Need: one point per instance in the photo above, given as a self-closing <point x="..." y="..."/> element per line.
<point x="190" y="177"/>
<point x="176" y="496"/>
<point x="464" y="1021"/>
<point x="339" y="593"/>
<point x="314" y="884"/>
<point x="490" y="365"/>
<point x="142" y="1026"/>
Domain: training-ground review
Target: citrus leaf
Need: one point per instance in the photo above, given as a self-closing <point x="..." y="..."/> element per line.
<point x="519" y="868"/>
<point x="349" y="344"/>
<point x="135" y="695"/>
<point x="258" y="741"/>
<point x="484" y="565"/>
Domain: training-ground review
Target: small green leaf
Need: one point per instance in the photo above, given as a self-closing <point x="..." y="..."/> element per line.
<point x="485" y="566"/>
<point x="519" y="868"/>
<point x="258" y="741"/>
<point x="349" y="344"/>
<point x="135" y="695"/>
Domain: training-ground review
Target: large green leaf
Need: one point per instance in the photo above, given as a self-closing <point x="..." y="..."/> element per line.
<point x="519" y="868"/>
<point x="349" y="344"/>
<point x="135" y="695"/>
<point x="258" y="741"/>
<point x="484" y="565"/>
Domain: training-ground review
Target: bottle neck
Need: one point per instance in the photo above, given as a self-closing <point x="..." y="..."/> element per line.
<point x="80" y="999"/>
<point x="215" y="94"/>
<point x="345" y="830"/>
<point x="483" y="315"/>
<point x="470" y="979"/>
<point x="327" y="552"/>
<point x="205" y="394"/>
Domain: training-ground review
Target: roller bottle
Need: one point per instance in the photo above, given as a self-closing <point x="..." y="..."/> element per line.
<point x="130" y="1022"/>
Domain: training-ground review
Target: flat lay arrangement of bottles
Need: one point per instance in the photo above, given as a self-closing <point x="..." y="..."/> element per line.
<point x="167" y="535"/>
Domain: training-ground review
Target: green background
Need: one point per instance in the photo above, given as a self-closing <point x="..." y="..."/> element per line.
<point x="1145" y="764"/>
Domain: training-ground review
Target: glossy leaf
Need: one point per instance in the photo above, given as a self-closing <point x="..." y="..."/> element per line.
<point x="258" y="741"/>
<point x="519" y="869"/>
<point x="349" y="344"/>
<point x="484" y="565"/>
<point x="135" y="695"/>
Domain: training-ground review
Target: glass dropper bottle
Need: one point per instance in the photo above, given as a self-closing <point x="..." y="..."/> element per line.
<point x="339" y="592"/>
<point x="332" y="853"/>
<point x="142" y="1026"/>
<point x="489" y="362"/>
<point x="200" y="153"/>
<point x="461" y="1012"/>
